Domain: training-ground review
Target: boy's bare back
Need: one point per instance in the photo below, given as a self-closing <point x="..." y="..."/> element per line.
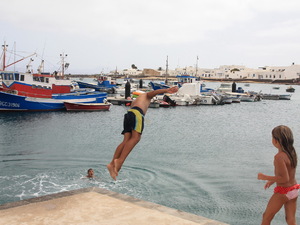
<point x="143" y="101"/>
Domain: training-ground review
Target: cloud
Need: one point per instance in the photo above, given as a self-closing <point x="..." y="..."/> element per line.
<point x="147" y="22"/>
<point x="110" y="33"/>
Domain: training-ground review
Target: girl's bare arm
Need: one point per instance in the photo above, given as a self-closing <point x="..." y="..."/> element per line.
<point x="281" y="172"/>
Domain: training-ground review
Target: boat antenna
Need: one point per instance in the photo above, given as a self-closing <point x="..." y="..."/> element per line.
<point x="41" y="66"/>
<point x="28" y="66"/>
<point x="116" y="71"/>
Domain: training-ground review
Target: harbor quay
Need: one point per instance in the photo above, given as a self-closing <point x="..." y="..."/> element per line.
<point x="94" y="206"/>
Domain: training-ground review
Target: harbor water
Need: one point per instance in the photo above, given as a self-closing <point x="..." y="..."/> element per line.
<point x="200" y="159"/>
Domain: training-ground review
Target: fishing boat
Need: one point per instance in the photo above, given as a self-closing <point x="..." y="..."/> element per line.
<point x="75" y="106"/>
<point x="156" y="86"/>
<point x="285" y="97"/>
<point x="104" y="84"/>
<point x="290" y="89"/>
<point x="270" y="96"/>
<point x="189" y="94"/>
<point x="164" y="104"/>
<point x="181" y="79"/>
<point x="276" y="96"/>
<point x="224" y="87"/>
<point x="248" y="98"/>
<point x="40" y="91"/>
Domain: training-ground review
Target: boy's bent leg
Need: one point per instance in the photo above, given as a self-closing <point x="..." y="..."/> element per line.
<point x="290" y="211"/>
<point x="117" y="154"/>
<point x="274" y="205"/>
<point x="120" y="147"/>
<point x="129" y="145"/>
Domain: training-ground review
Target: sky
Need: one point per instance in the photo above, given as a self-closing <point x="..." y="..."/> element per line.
<point x="104" y="35"/>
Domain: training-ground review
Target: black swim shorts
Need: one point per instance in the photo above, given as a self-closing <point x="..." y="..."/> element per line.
<point x="134" y="120"/>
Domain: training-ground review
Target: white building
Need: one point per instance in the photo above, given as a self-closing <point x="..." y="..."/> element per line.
<point x="241" y="72"/>
<point x="230" y="72"/>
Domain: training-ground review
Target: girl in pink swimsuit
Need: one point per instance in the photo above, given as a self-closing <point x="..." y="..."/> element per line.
<point x="287" y="189"/>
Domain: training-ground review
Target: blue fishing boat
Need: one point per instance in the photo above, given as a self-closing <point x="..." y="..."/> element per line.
<point x="22" y="95"/>
<point x="156" y="86"/>
<point x="40" y="91"/>
<point x="103" y="84"/>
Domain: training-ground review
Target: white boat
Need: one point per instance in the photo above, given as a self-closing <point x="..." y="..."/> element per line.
<point x="276" y="96"/>
<point x="285" y="97"/>
<point x="225" y="87"/>
<point x="248" y="98"/>
<point x="226" y="99"/>
<point x="121" y="89"/>
<point x="270" y="97"/>
<point x="236" y="99"/>
<point x="207" y="100"/>
<point x="189" y="94"/>
<point x="154" y="103"/>
<point x="232" y="97"/>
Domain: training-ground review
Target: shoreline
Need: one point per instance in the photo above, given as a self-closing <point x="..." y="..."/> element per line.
<point x="264" y="81"/>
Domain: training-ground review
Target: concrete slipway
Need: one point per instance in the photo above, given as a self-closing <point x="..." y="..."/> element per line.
<point x="94" y="206"/>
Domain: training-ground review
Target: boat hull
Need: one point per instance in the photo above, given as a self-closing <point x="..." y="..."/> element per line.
<point x="157" y="86"/>
<point x="12" y="102"/>
<point x="87" y="106"/>
<point x="109" y="89"/>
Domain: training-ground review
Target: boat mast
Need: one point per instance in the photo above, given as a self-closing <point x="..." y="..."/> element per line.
<point x="167" y="66"/>
<point x="4" y="66"/>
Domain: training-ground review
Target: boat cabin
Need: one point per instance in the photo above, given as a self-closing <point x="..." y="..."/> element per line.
<point x="187" y="79"/>
<point x="33" y="85"/>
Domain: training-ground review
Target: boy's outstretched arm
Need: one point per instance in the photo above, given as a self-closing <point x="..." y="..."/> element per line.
<point x="170" y="90"/>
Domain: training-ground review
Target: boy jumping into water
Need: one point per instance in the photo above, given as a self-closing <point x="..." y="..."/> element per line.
<point x="133" y="128"/>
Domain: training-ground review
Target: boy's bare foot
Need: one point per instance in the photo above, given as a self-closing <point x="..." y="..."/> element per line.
<point x="117" y="166"/>
<point x="111" y="170"/>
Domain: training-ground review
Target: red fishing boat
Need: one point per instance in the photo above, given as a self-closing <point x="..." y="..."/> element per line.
<point x="73" y="106"/>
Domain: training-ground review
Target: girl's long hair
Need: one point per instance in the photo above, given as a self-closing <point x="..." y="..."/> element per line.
<point x="284" y="136"/>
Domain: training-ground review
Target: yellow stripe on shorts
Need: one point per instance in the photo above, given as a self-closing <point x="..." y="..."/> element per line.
<point x="139" y="120"/>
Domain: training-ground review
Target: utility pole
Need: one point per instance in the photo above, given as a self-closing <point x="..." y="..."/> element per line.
<point x="167" y="68"/>
<point x="197" y="66"/>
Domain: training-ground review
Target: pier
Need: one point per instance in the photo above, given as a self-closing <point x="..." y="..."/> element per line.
<point x="94" y="206"/>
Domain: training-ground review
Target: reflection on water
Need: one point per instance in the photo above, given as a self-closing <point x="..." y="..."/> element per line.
<point x="203" y="160"/>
